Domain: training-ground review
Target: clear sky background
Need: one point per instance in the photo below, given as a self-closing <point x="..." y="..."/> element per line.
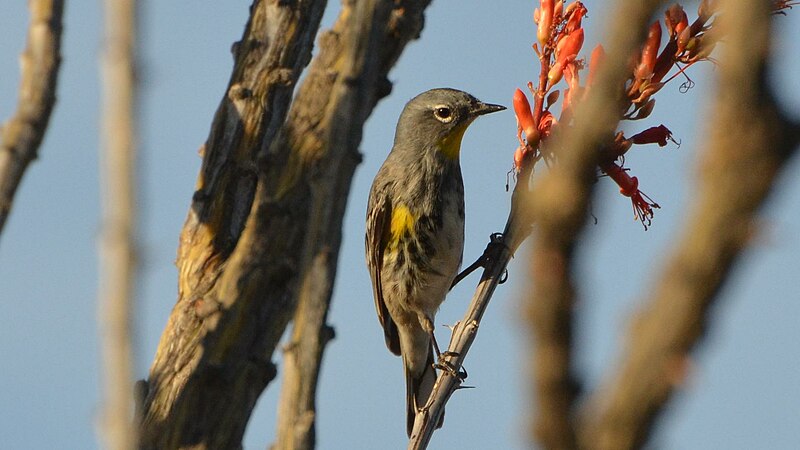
<point x="742" y="392"/>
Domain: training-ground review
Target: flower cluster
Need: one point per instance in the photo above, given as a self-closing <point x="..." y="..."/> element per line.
<point x="560" y="38"/>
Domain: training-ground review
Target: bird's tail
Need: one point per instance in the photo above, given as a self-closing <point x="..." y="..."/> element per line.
<point x="418" y="389"/>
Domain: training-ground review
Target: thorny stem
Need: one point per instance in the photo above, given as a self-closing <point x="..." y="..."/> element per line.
<point x="464" y="333"/>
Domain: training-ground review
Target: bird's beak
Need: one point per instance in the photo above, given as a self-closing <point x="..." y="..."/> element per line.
<point x="485" y="108"/>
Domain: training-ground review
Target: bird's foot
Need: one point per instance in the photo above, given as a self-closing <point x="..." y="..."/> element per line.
<point x="496" y="242"/>
<point x="448" y="367"/>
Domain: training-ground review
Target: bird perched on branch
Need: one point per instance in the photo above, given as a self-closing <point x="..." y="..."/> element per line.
<point x="415" y="229"/>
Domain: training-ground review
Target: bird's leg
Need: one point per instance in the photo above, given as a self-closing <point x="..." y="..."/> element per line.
<point x="471" y="268"/>
<point x="427" y="324"/>
<point x="441" y="363"/>
<point x="495" y="240"/>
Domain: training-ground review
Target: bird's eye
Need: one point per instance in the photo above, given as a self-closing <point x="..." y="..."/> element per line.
<point x="443" y="113"/>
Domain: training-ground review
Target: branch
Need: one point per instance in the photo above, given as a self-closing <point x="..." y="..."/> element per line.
<point x="495" y="259"/>
<point x="265" y="226"/>
<point x="204" y="382"/>
<point x="497" y="255"/>
<point x="560" y="202"/>
<point x="21" y="136"/>
<point x="117" y="252"/>
<point x="738" y="170"/>
<point x="325" y="130"/>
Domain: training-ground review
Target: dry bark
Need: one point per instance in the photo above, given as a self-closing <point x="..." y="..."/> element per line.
<point x="322" y="134"/>
<point x="264" y="229"/>
<point x="213" y="360"/>
<point x="21" y="135"/>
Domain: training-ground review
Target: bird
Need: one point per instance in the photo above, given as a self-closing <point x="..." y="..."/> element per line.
<point x="415" y="230"/>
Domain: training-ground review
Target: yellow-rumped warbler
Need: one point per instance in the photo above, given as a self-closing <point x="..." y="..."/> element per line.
<point x="415" y="229"/>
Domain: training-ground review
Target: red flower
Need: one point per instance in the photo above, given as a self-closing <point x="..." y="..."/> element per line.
<point x="654" y="135"/>
<point x="566" y="51"/>
<point x="546" y="124"/>
<point x="575" y="11"/>
<point x="629" y="186"/>
<point x="675" y="20"/>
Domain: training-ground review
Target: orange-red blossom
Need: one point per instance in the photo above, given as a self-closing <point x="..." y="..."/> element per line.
<point x="629" y="186"/>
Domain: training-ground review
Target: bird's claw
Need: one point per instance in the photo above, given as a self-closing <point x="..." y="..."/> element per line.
<point x="503" y="277"/>
<point x="449" y="368"/>
<point x="495" y="239"/>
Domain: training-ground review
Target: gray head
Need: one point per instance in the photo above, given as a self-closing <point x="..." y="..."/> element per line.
<point x="437" y="119"/>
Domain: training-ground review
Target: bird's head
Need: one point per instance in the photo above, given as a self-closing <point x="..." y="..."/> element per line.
<point x="439" y="118"/>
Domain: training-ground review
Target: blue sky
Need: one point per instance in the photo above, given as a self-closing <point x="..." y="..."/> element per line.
<point x="742" y="392"/>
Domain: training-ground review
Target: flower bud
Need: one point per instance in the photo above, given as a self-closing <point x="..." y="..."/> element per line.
<point x="555" y="73"/>
<point x="522" y="109"/>
<point x="545" y="22"/>
<point x="558" y="9"/>
<point x="595" y="61"/>
<point x="649" y="52"/>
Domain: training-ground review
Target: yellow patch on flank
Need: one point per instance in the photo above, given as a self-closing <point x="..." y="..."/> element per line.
<point x="450" y="145"/>
<point x="402" y="224"/>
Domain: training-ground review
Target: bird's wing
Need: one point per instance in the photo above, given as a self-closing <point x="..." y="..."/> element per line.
<point x="379" y="220"/>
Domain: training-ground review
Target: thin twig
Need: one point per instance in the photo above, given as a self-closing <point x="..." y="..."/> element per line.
<point x="738" y="170"/>
<point x="21" y="136"/>
<point x="118" y="247"/>
<point x="464" y="333"/>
